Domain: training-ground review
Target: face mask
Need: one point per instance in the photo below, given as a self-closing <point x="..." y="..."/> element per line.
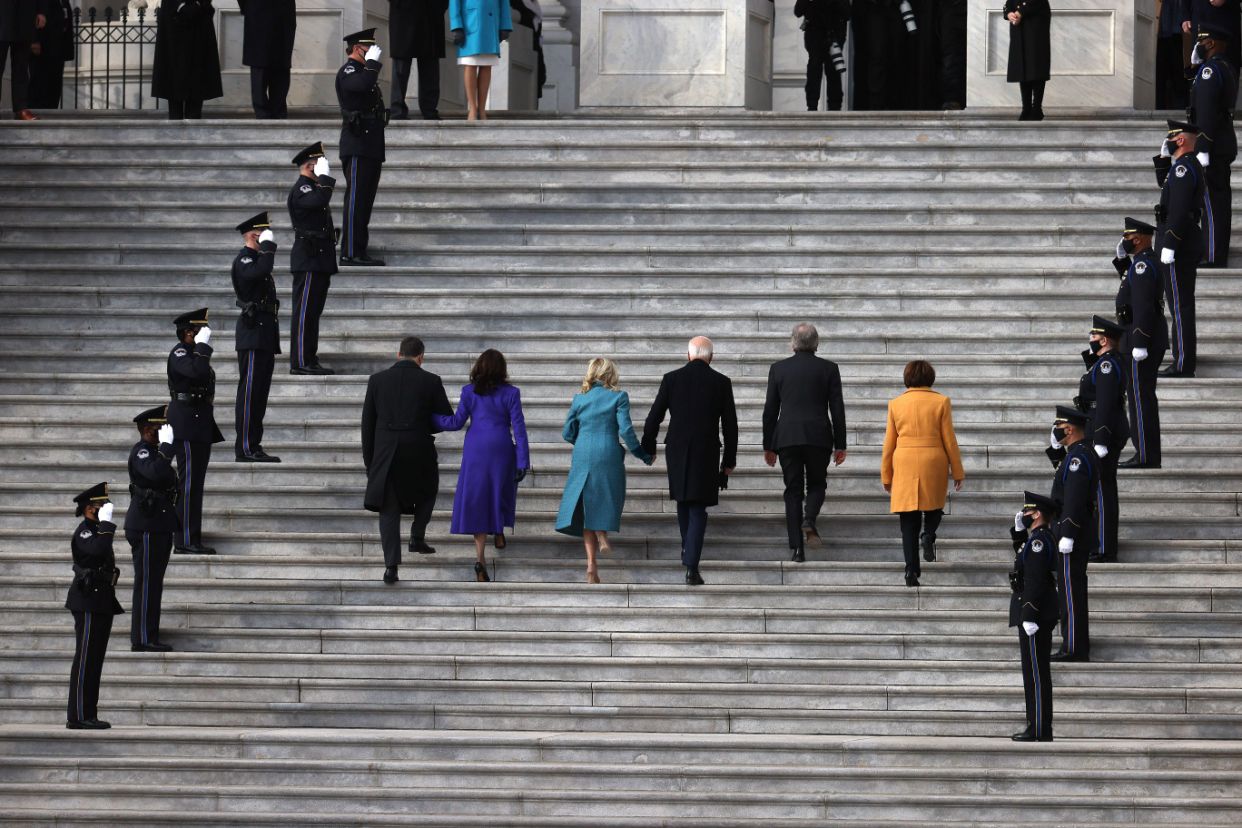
<point x="1127" y="245"/>
<point x="1027" y="520"/>
<point x="1171" y="146"/>
<point x="1095" y="346"/>
<point x="1059" y="434"/>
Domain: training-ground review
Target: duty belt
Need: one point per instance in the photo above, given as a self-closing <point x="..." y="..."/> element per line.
<point x="193" y="397"/>
<point x="248" y="308"/>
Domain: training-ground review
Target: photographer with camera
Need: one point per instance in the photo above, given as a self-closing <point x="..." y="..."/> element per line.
<point x="92" y="600"/>
<point x="824" y="25"/>
<point x="257" y="337"/>
<point x="150" y="524"/>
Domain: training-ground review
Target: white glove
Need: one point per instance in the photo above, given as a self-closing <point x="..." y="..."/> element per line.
<point x="374" y="53"/>
<point x="203" y="337"/>
<point x="267" y="236"/>
<point x="1164" y="149"/>
<point x="1167" y="255"/>
<point x="1066" y="546"/>
<point x="1030" y="627"/>
<point x="1052" y="439"/>
<point x="1102" y="451"/>
<point x="165" y="434"/>
<point x="321" y="166"/>
<point x="1196" y="55"/>
<point x="1204" y="159"/>
<point x="105" y="513"/>
<point x="1017" y="522"/>
<point x="1140" y="354"/>
<point x="1121" y="251"/>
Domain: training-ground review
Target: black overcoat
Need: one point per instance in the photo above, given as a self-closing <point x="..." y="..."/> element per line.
<point x="397" y="443"/>
<point x="1030" y="44"/>
<point x="268" y="36"/>
<point x="17" y="19"/>
<point x="416" y="28"/>
<point x="187" y="59"/>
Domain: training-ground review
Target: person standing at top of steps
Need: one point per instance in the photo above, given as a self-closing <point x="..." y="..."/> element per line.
<point x="1075" y="490"/>
<point x="1030" y="53"/>
<point x="824" y="27"/>
<point x="150" y="523"/>
<point x="700" y="399"/>
<point x="399" y="450"/>
<point x="313" y="260"/>
<point x="1033" y="609"/>
<point x="53" y="47"/>
<point x="186" y="68"/>
<point x="1140" y="307"/>
<point x="1179" y="240"/>
<point x="92" y="600"/>
<point x="267" y="48"/>
<point x="1102" y="397"/>
<point x="804" y="426"/>
<point x="19" y="21"/>
<point x="416" y="31"/>
<point x="362" y="142"/>
<point x="1212" y="98"/>
<point x="192" y="384"/>
<point x="257" y="339"/>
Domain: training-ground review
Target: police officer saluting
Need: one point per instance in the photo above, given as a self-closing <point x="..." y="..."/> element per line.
<point x="92" y="600"/>
<point x="1033" y="609"/>
<point x="257" y="337"/>
<point x="1140" y="307"/>
<point x="313" y="260"/>
<point x="1212" y="98"/>
<point x="192" y="385"/>
<point x="1178" y="240"/>
<point x="362" y="141"/>
<point x="1102" y="395"/>
<point x="1074" y="489"/>
<point x="150" y="524"/>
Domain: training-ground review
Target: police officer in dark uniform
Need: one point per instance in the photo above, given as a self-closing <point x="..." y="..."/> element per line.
<point x="192" y="385"/>
<point x="257" y="337"/>
<point x="1140" y="307"/>
<point x="1075" y="490"/>
<point x="1033" y="609"/>
<point x="267" y="48"/>
<point x="150" y="524"/>
<point x="1178" y="240"/>
<point x="1212" y="98"/>
<point x="1102" y="396"/>
<point x="362" y="141"/>
<point x="92" y="600"/>
<point x="313" y="260"/>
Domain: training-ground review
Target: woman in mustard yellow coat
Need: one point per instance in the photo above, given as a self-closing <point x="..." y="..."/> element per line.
<point x="920" y="451"/>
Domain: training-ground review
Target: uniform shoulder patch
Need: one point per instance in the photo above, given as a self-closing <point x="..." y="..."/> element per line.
<point x="1037" y="546"/>
<point x="306" y="188"/>
<point x="1181" y="171"/>
<point x="84" y="534"/>
<point x="180" y="352"/>
<point x="246" y="260"/>
<point x="349" y="70"/>
<point x="1207" y="72"/>
<point x="143" y="454"/>
<point x="1074" y="464"/>
<point x="1106" y="366"/>
<point x="1140" y="267"/>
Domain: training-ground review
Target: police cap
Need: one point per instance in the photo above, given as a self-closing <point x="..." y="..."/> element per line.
<point x="1142" y="228"/>
<point x="312" y="152"/>
<point x="95" y="494"/>
<point x="1031" y="500"/>
<point x="193" y="319"/>
<point x="366" y="37"/>
<point x="259" y="222"/>
<point x="1178" y="127"/>
<point x="1107" y="327"/>
<point x="153" y="416"/>
<point x="1214" y="32"/>
<point x="1071" y="415"/>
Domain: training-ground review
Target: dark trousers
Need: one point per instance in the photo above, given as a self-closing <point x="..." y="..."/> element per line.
<point x="951" y="32"/>
<point x="1072" y="577"/>
<point x="192" y="460"/>
<point x="1171" y="88"/>
<point x="1179" y="290"/>
<point x="428" y="85"/>
<point x="1032" y="95"/>
<point x="1144" y="406"/>
<point x="150" y="551"/>
<point x="269" y="91"/>
<point x="805" y="469"/>
<point x="19" y="82"/>
<point x="310" y="294"/>
<point x="91" y="629"/>
<point x="362" y="177"/>
<point x="184" y="109"/>
<point x="914" y="524"/>
<point x="254" y="383"/>
<point x="1217" y="212"/>
<point x="47" y="79"/>
<point x="885" y="32"/>
<point x="819" y="69"/>
<point x="390" y="524"/>
<point x="1037" y="678"/>
<point x="1107" y="510"/>
<point x="692" y="520"/>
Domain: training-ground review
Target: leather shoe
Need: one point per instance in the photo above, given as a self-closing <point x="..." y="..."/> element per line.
<point x="431" y="116"/>
<point x="26" y="115"/>
<point x="361" y="261"/>
<point x="326" y="370"/>
<point x="154" y="647"/>
<point x="693" y="578"/>
<point x="88" y="724"/>
<point x="390" y="575"/>
<point x="799" y="555"/>
<point x="929" y="547"/>
<point x="259" y="456"/>
<point x="1134" y="463"/>
<point x="811" y="535"/>
<point x="912" y="580"/>
<point x="1173" y="373"/>
<point x="311" y="370"/>
<point x="1028" y="735"/>
<point x="480" y="573"/>
<point x="422" y="548"/>
<point x="194" y="549"/>
<point x="1093" y="558"/>
<point x="399" y="114"/>
<point x="1062" y="656"/>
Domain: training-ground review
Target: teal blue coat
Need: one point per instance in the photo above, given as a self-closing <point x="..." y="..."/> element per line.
<point x="482" y="21"/>
<point x="595" y="491"/>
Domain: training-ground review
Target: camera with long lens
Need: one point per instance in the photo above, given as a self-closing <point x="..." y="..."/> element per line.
<point x="907" y="16"/>
<point x="838" y="58"/>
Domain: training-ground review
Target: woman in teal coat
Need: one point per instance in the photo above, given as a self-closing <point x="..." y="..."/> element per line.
<point x="598" y="419"/>
<point x="478" y="28"/>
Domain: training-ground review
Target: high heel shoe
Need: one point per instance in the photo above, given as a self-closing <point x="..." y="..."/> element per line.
<point x="500" y="542"/>
<point x="592" y="576"/>
<point x="480" y="573"/>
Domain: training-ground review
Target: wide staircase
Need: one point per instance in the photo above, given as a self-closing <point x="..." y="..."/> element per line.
<point x="304" y="691"/>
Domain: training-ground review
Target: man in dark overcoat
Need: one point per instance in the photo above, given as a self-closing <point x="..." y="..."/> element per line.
<point x="399" y="450"/>
<point x="19" y="21"/>
<point x="701" y="401"/>
<point x="186" y="69"/>
<point x="416" y="29"/>
<point x="52" y="48"/>
<point x="267" y="48"/>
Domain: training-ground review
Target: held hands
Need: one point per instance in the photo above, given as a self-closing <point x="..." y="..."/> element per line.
<point x="321" y="166"/>
<point x="1030" y="628"/>
<point x="203" y="337"/>
<point x="1101" y="451"/>
<point x="166" y="434"/>
<point x="1066" y="546"/>
<point x="1167" y="255"/>
<point x="1140" y="354"/>
<point x="374" y="53"/>
<point x="267" y="236"/>
<point x="105" y="513"/>
<point x="769" y="457"/>
<point x="459" y="37"/>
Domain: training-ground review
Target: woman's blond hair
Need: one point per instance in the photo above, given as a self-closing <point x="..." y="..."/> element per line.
<point x="603" y="371"/>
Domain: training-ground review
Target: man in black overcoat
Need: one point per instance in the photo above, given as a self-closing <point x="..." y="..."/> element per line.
<point x="19" y="22"/>
<point x="399" y="450"/>
<point x="416" y="29"/>
<point x="186" y="69"/>
<point x="267" y="48"/>
<point x="51" y="50"/>
<point x="701" y="401"/>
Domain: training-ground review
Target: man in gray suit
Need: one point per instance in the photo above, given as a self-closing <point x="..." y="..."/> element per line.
<point x="804" y="425"/>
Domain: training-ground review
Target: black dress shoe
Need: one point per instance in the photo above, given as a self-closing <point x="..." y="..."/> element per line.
<point x="1028" y="735"/>
<point x="390" y="575"/>
<point x="154" y="647"/>
<point x="799" y="555"/>
<point x="811" y="536"/>
<point x="1063" y="657"/>
<point x="1173" y="373"/>
<point x="259" y="456"/>
<point x="1093" y="558"/>
<point x="326" y="370"/>
<point x="929" y="547"/>
<point x="88" y="724"/>
<point x="399" y="114"/>
<point x="912" y="580"/>
<point x="693" y="578"/>
<point x="194" y="549"/>
<point x="1135" y="463"/>
<point x="361" y="261"/>
<point x="422" y="548"/>
<point x="431" y="116"/>
<point x="312" y="371"/>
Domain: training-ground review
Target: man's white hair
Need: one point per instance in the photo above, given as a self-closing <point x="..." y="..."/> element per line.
<point x="699" y="348"/>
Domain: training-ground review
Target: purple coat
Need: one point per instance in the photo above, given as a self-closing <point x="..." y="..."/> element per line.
<point x="486" y="497"/>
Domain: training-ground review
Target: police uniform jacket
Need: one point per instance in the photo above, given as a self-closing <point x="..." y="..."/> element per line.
<point x="1212" y="97"/>
<point x="363" y="110"/>
<point x="1102" y="396"/>
<point x="257" y="326"/>
<point x="314" y="239"/>
<point x="1074" y="490"/>
<point x="152" y="489"/>
<point x="416" y="28"/>
<point x="397" y="443"/>
<point x="826" y="20"/>
<point x="1034" y="587"/>
<point x="1140" y="304"/>
<point x="190" y="373"/>
<point x="94" y="567"/>
<point x="1177" y="215"/>
<point x="268" y="36"/>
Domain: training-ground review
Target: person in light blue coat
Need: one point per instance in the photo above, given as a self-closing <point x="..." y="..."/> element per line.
<point x="598" y="419"/>
<point x="478" y="27"/>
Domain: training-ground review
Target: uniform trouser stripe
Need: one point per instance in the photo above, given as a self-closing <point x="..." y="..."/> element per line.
<point x="1068" y="578"/>
<point x="246" y="406"/>
<point x="1211" y="226"/>
<point x="1099" y="516"/>
<point x="306" y="291"/>
<point x="1138" y="410"/>
<point x="353" y="203"/>
<point x="1177" y="316"/>
<point x="1039" y="713"/>
<point x="146" y="587"/>
<point x="86" y="640"/>
<point x="189" y="473"/>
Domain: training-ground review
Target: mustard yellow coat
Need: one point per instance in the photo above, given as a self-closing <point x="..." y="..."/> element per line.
<point x="920" y="449"/>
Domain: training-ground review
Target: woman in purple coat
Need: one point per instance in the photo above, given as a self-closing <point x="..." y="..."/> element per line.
<point x="491" y="465"/>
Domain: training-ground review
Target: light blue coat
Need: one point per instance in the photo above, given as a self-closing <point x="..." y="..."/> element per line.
<point x="482" y="21"/>
<point x="595" y="491"/>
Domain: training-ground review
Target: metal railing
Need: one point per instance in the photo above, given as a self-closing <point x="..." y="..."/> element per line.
<point x="114" y="53"/>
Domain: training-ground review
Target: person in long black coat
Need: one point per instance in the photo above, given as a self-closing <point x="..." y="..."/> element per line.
<point x="416" y="32"/>
<point x="19" y="22"/>
<point x="1030" y="53"/>
<point x="267" y="48"/>
<point x="399" y="450"/>
<point x="51" y="50"/>
<point x="701" y="401"/>
<point x="186" y="70"/>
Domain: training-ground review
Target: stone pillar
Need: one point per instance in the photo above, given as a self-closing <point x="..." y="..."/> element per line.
<point x="560" y="55"/>
<point x="1103" y="55"/>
